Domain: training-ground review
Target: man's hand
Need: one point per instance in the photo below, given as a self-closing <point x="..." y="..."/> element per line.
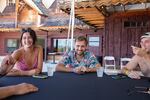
<point x="6" y="65"/>
<point x="139" y="51"/>
<point x="24" y="88"/>
<point x="134" y="75"/>
<point x="80" y="70"/>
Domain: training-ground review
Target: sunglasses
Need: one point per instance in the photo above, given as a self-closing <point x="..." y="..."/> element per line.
<point x="138" y="89"/>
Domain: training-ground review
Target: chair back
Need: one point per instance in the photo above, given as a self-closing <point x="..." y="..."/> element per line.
<point x="124" y="61"/>
<point x="109" y="62"/>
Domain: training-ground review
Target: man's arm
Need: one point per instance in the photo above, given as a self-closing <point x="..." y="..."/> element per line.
<point x="94" y="68"/>
<point x="94" y="64"/>
<point x="62" y="67"/>
<point x="142" y="52"/>
<point x="64" y="64"/>
<point x="19" y="89"/>
<point x="131" y="64"/>
<point x="129" y="68"/>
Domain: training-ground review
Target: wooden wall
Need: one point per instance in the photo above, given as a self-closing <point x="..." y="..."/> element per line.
<point x="12" y="35"/>
<point x="48" y="37"/>
<point x="118" y="39"/>
<point x="3" y="37"/>
<point x="86" y="33"/>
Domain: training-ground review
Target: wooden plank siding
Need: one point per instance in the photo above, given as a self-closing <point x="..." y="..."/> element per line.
<point x="118" y="39"/>
<point x="3" y="37"/>
<point x="49" y="36"/>
<point x="13" y="35"/>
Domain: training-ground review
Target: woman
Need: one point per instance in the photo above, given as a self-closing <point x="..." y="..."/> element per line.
<point x="29" y="58"/>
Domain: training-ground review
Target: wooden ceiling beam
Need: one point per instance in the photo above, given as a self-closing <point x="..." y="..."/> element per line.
<point x="88" y="12"/>
<point x="96" y="21"/>
<point x="92" y="19"/>
<point x="88" y="17"/>
<point x="99" y="19"/>
<point x="99" y="25"/>
<point x="91" y="15"/>
<point x="85" y="9"/>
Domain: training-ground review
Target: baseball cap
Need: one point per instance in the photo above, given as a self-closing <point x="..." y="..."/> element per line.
<point x="146" y="35"/>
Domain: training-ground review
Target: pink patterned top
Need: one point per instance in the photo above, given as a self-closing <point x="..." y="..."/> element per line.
<point x="22" y="65"/>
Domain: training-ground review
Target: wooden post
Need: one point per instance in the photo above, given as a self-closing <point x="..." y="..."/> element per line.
<point x="46" y="43"/>
<point x="16" y="13"/>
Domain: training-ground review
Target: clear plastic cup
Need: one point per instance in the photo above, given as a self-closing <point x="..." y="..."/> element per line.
<point x="50" y="70"/>
<point x="100" y="72"/>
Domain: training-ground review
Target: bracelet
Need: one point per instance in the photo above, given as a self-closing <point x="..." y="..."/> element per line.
<point x="126" y="71"/>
